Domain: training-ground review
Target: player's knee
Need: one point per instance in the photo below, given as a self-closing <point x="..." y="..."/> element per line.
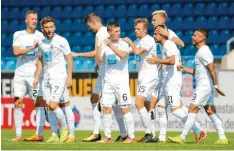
<point x="125" y="110"/>
<point x="18" y="102"/>
<point x="106" y="109"/>
<point x="210" y="110"/>
<point x="193" y="108"/>
<point x="94" y="98"/>
<point x="139" y="102"/>
<point x="53" y="105"/>
<point x="40" y="102"/>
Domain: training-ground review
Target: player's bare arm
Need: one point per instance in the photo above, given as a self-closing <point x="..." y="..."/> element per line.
<point x="164" y="32"/>
<point x="212" y="71"/>
<point x="98" y="56"/>
<point x="188" y="70"/>
<point x="85" y="54"/>
<point x="154" y="60"/>
<point x="69" y="72"/>
<point x="136" y="51"/>
<point x="118" y="52"/>
<point x="38" y="72"/>
<point x="19" y="52"/>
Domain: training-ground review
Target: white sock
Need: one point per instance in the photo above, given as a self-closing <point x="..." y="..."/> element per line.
<point x="128" y="118"/>
<point x="120" y="120"/>
<point x="218" y="125"/>
<point x="18" y="117"/>
<point x="181" y="114"/>
<point x="40" y="120"/>
<point x="162" y="118"/>
<point x="53" y="122"/>
<point x="152" y="118"/>
<point x="60" y="117"/>
<point x="70" y="120"/>
<point x="145" y="120"/>
<point x="96" y="118"/>
<point x="192" y="117"/>
<point x="107" y="123"/>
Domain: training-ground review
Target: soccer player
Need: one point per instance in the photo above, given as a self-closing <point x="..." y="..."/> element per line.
<point x="206" y="82"/>
<point x="143" y="47"/>
<point x="95" y="25"/>
<point x="25" y="45"/>
<point x="171" y="83"/>
<point x="54" y="49"/>
<point x="116" y="81"/>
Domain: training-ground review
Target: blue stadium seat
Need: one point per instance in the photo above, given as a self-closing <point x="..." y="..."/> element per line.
<point x="88" y="64"/>
<point x="65" y="26"/>
<point x="76" y="39"/>
<point x="177" y="23"/>
<point x="3" y="51"/>
<point x="13" y="26"/>
<point x="190" y="50"/>
<point x="77" y="64"/>
<point x="189" y="23"/>
<point x="87" y="48"/>
<point x="122" y="22"/>
<point x="14" y="13"/>
<point x="187" y="37"/>
<point x="199" y="9"/>
<point x="130" y="23"/>
<point x="143" y="11"/>
<point x="213" y="37"/>
<point x="180" y="34"/>
<point x="169" y="23"/>
<point x="132" y="35"/>
<point x="215" y="49"/>
<point x="188" y="9"/>
<point x="23" y="12"/>
<point x="167" y="8"/>
<point x="3" y="64"/>
<point x="66" y="13"/>
<point x="201" y="22"/>
<point x="224" y="22"/>
<point x="121" y="11"/>
<point x="56" y="12"/>
<point x="224" y="35"/>
<point x="5" y="13"/>
<point x="189" y="63"/>
<point x="211" y="9"/>
<point x="123" y="34"/>
<point x="231" y="9"/>
<point x="66" y="35"/>
<point x="65" y="2"/>
<point x="100" y="10"/>
<point x="154" y="7"/>
<point x="87" y="10"/>
<point x="223" y="49"/>
<point x="212" y="22"/>
<point x="87" y="2"/>
<point x="88" y="39"/>
<point x="222" y="9"/>
<point x="4" y="39"/>
<point x="131" y="65"/>
<point x="37" y="9"/>
<point x="176" y="10"/>
<point x="110" y="11"/>
<point x="132" y="10"/>
<point x="108" y="20"/>
<point x="76" y="48"/>
<point x="231" y="25"/>
<point x="45" y="11"/>
<point x="77" y="12"/>
<point x="10" y="64"/>
<point x="4" y="25"/>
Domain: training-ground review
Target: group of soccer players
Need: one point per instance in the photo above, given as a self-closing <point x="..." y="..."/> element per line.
<point x="159" y="80"/>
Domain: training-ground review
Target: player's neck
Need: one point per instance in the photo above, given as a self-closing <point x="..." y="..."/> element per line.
<point x="199" y="45"/>
<point x="143" y="36"/>
<point x="99" y="26"/>
<point x="30" y="31"/>
<point x="163" y="41"/>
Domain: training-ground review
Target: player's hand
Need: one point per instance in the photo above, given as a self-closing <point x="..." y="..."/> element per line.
<point x="36" y="43"/>
<point x="152" y="60"/>
<point x="35" y="83"/>
<point x="220" y="91"/>
<point x="180" y="67"/>
<point x="69" y="82"/>
<point x="107" y="41"/>
<point x="127" y="40"/>
<point x="162" y="31"/>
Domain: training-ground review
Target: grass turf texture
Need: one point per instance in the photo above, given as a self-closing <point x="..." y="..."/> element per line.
<point x="79" y="145"/>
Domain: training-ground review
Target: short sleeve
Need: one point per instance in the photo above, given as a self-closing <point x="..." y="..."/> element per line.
<point x="147" y="44"/>
<point x="206" y="56"/>
<point x="16" y="39"/>
<point x="172" y="34"/>
<point x="170" y="48"/>
<point x="66" y="48"/>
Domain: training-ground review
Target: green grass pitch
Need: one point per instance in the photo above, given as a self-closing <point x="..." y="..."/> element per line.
<point x="79" y="145"/>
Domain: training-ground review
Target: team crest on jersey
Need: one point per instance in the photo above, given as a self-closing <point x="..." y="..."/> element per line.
<point x="76" y="116"/>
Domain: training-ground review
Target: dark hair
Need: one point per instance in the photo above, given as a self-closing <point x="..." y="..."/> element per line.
<point x="203" y="31"/>
<point x="91" y="17"/>
<point x="46" y="20"/>
<point x="112" y="25"/>
<point x="162" y="26"/>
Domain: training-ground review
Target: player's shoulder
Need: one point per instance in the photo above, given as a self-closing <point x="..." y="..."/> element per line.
<point x="148" y="38"/>
<point x="170" y="43"/>
<point x="102" y="31"/>
<point x="204" y="50"/>
<point x="19" y="33"/>
<point x="40" y="34"/>
<point x="60" y="38"/>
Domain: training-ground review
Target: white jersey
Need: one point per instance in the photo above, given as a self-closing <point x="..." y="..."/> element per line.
<point x="144" y="68"/>
<point x="172" y="33"/>
<point x="26" y="64"/>
<point x="101" y="35"/>
<point x="170" y="72"/>
<point x="116" y="69"/>
<point x="203" y="57"/>
<point x="53" y="52"/>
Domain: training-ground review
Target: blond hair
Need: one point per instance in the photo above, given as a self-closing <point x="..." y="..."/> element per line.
<point x="92" y="17"/>
<point x="46" y="20"/>
<point x="142" y="20"/>
<point x="30" y="12"/>
<point x="160" y="12"/>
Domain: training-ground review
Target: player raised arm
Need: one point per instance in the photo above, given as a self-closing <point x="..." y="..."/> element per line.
<point x="135" y="50"/>
<point x="19" y="52"/>
<point x="84" y="54"/>
<point x="118" y="52"/>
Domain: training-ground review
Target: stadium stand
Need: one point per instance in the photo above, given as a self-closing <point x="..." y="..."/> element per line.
<point x="184" y="17"/>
